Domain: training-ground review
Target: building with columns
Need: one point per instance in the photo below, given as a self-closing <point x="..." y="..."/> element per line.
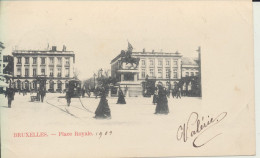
<point x="167" y="68"/>
<point x="55" y="66"/>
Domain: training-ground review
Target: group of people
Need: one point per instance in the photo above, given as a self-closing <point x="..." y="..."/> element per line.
<point x="160" y="99"/>
<point x="10" y="93"/>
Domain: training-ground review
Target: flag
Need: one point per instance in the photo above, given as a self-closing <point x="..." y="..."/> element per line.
<point x="130" y="47"/>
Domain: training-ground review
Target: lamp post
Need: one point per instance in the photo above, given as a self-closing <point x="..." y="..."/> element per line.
<point x="199" y="62"/>
<point x="94" y="80"/>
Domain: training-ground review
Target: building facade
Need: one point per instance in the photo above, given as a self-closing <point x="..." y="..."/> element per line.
<point x="55" y="66"/>
<point x="168" y="68"/>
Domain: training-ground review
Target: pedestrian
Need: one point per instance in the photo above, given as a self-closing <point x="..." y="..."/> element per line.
<point x="178" y="93"/>
<point x="88" y="92"/>
<point x="174" y="92"/>
<point x="103" y="110"/>
<point x="42" y="94"/>
<point x="83" y="93"/>
<point x="121" y="97"/>
<point x="68" y="96"/>
<point x="155" y="96"/>
<point x="162" y="102"/>
<point x="10" y="96"/>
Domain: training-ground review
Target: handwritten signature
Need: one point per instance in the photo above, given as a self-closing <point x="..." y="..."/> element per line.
<point x="195" y="127"/>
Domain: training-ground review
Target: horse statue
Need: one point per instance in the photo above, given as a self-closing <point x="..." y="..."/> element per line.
<point x="128" y="59"/>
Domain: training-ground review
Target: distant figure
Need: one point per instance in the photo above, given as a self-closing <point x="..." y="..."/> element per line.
<point x="178" y="93"/>
<point x="83" y="92"/>
<point x="68" y="96"/>
<point x="103" y="110"/>
<point x="174" y="92"/>
<point x="88" y="92"/>
<point x="10" y="96"/>
<point x="162" y="102"/>
<point x="121" y="97"/>
<point x="155" y="96"/>
<point x="42" y="93"/>
<point x="38" y="94"/>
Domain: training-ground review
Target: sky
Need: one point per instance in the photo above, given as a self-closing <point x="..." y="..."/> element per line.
<point x="98" y="31"/>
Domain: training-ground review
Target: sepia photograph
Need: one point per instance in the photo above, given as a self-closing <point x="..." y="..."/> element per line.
<point x="126" y="79"/>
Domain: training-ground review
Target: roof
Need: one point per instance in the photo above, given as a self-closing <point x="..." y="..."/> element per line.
<point x="150" y="54"/>
<point x="189" y="61"/>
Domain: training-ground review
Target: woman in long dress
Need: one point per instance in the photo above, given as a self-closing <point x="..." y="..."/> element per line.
<point x="121" y="97"/>
<point x="162" y="102"/>
<point x="103" y="110"/>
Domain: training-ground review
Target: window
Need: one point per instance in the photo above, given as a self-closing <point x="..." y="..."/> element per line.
<point x="175" y="62"/>
<point x="34" y="60"/>
<point x="192" y="73"/>
<point x="42" y="60"/>
<point x="67" y="72"/>
<point x="174" y="73"/>
<point x="42" y="71"/>
<point x="151" y="62"/>
<point x="51" y="72"/>
<point x="59" y="61"/>
<point x="160" y="73"/>
<point x="143" y="73"/>
<point x="187" y="74"/>
<point x="59" y="72"/>
<point x="19" y="71"/>
<point x="160" y="62"/>
<point x="19" y="60"/>
<point x="197" y="74"/>
<point x="51" y="60"/>
<point x="151" y="72"/>
<point x="167" y="62"/>
<point x="168" y="75"/>
<point x="27" y="60"/>
<point x="26" y="72"/>
<point x="143" y="62"/>
<point x="59" y="85"/>
<point x="34" y="72"/>
<point x="67" y="61"/>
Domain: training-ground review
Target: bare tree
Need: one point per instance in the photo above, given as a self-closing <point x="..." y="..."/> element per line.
<point x="76" y="73"/>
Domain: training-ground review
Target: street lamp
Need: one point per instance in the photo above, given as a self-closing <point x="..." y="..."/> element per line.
<point x="169" y="79"/>
<point x="94" y="80"/>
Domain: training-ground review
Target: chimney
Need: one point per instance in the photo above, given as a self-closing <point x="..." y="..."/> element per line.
<point x="152" y="51"/>
<point x="54" y="48"/>
<point x="144" y="50"/>
<point x="64" y="48"/>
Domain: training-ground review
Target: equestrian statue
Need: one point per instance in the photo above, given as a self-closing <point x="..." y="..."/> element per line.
<point x="126" y="57"/>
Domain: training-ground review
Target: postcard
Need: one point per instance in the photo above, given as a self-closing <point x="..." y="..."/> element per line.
<point x="127" y="79"/>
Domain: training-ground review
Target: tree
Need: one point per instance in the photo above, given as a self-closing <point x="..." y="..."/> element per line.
<point x="76" y="73"/>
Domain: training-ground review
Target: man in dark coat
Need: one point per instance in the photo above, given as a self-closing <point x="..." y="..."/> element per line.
<point x="68" y="96"/>
<point x="42" y="93"/>
<point x="103" y="110"/>
<point x="178" y="93"/>
<point x="121" y="97"/>
<point x="10" y="96"/>
<point x="162" y="102"/>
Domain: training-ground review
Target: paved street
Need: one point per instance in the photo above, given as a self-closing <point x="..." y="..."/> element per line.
<point x="129" y="124"/>
<point x="138" y="110"/>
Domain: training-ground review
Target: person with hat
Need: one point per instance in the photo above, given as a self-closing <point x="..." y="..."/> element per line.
<point x="162" y="102"/>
